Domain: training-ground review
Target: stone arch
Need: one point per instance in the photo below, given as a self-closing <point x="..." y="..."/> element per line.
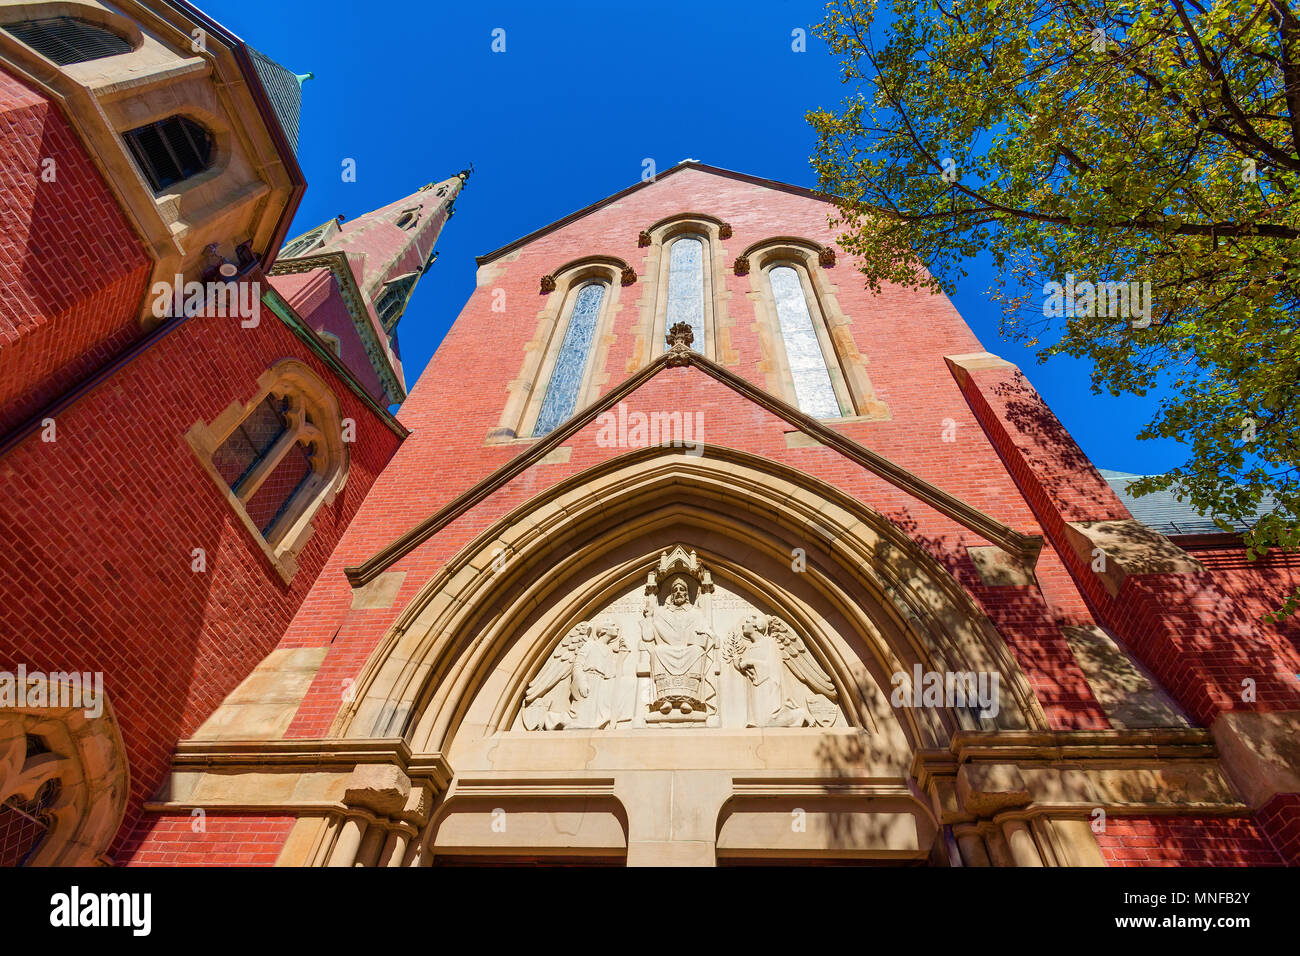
<point x="83" y="752"/>
<point x="540" y="354"/>
<point x="845" y="362"/>
<point x="896" y="600"/>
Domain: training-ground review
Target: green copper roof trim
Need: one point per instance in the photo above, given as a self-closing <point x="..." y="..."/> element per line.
<point x="285" y="313"/>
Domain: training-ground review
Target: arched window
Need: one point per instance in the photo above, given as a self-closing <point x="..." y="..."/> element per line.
<point x="571" y="363"/>
<point x="303" y="243"/>
<point x="170" y="150"/>
<point x="268" y="457"/>
<point x="564" y="363"/>
<point x="68" y="40"/>
<point x="809" y="350"/>
<point x="684" y="263"/>
<point x="24" y="823"/>
<point x="278" y="459"/>
<point x="814" y="393"/>
<point x="392" y="301"/>
<point x="686" y="287"/>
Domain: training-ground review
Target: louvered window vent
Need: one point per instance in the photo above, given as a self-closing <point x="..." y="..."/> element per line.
<point x="170" y="150"/>
<point x="69" y="40"/>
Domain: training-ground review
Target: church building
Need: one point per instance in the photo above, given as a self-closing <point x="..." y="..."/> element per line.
<point x="685" y="549"/>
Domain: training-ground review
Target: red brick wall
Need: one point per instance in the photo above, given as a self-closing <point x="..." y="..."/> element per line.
<point x="224" y="840"/>
<point x="1185" y="841"/>
<point x="1280" y="819"/>
<point x="99" y="529"/>
<point x="72" y="271"/>
<point x="902" y="333"/>
<point x="1200" y="634"/>
<point x="315" y="296"/>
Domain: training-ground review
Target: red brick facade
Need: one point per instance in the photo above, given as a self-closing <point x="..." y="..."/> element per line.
<point x="1028" y="475"/>
<point x="107" y="517"/>
<point x="95" y="552"/>
<point x="74" y="271"/>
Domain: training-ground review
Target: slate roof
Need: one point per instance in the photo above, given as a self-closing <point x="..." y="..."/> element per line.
<point x="1163" y="511"/>
<point x="284" y="92"/>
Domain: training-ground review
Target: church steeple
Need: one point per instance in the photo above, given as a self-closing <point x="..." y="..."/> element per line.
<point x="384" y="252"/>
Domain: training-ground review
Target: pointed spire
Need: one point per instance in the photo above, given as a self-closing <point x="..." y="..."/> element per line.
<point x="383" y="255"/>
<point x="396" y="240"/>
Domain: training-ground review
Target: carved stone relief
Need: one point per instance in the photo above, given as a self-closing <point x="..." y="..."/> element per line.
<point x="680" y="651"/>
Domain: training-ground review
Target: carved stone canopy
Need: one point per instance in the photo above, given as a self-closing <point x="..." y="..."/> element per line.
<point x="678" y="561"/>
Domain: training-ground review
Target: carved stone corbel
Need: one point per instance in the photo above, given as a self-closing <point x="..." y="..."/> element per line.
<point x="741" y="266"/>
<point x="826" y="257"/>
<point x="680" y="337"/>
<point x="548" y="284"/>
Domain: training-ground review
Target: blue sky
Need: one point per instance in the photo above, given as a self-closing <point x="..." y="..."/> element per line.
<point x="583" y="93"/>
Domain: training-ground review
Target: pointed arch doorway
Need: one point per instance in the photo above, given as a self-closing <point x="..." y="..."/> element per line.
<point x="582" y="718"/>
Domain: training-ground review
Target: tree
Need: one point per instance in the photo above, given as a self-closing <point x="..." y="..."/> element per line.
<point x="1099" y="142"/>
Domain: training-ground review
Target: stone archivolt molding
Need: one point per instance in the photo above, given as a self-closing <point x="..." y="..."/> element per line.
<point x="87" y="758"/>
<point x="846" y="364"/>
<point x="926" y="612"/>
<point x="526" y="393"/>
<point x="310" y="398"/>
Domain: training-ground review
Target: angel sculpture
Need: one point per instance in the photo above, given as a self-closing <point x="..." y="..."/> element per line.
<point x="582" y="684"/>
<point x="775" y="661"/>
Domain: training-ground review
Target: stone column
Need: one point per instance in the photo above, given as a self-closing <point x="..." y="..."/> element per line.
<point x="371" y="845"/>
<point x="394" y="852"/>
<point x="971" y="845"/>
<point x="348" y="842"/>
<point x="1024" y="851"/>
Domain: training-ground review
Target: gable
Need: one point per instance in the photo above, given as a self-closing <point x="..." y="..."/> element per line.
<point x="586" y="211"/>
<point x="1022" y="546"/>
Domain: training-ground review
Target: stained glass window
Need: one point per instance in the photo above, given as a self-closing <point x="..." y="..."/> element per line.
<point x="813" y="391"/>
<point x="686" y="287"/>
<point x="571" y="364"/>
